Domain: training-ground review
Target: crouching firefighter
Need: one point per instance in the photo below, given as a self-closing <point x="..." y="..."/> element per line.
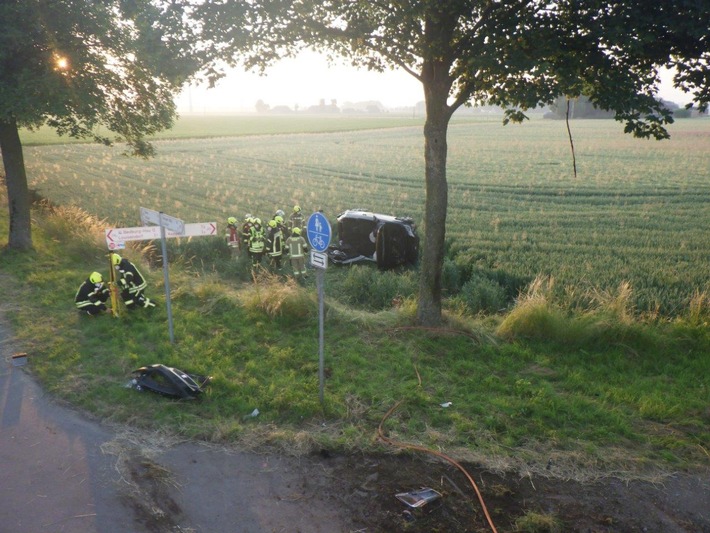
<point x="131" y="282"/>
<point x="91" y="297"/>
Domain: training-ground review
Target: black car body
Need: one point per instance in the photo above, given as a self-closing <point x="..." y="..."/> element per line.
<point x="386" y="240"/>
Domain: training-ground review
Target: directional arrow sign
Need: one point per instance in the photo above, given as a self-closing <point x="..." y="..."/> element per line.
<point x="117" y="237"/>
<point x="141" y="233"/>
<point x="198" y="229"/>
<point x="150" y="216"/>
<point x="319" y="259"/>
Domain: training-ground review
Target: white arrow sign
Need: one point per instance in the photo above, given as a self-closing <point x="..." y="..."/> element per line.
<point x="150" y="216"/>
<point x="319" y="259"/>
<point x="116" y="237"/>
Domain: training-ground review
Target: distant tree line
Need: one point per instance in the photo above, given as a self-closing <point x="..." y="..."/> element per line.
<point x="366" y="107"/>
<point x="582" y="107"/>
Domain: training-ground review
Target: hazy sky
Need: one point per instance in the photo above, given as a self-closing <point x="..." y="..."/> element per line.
<point x="308" y="78"/>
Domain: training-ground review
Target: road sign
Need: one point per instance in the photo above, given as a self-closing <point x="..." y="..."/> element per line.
<point x="121" y="235"/>
<point x="116" y="237"/>
<point x="150" y="216"/>
<point x="197" y="229"/>
<point x="318" y="229"/>
<point x="319" y="259"/>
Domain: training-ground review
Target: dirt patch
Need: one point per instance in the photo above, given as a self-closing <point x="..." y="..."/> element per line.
<point x="152" y="503"/>
<point x="357" y="493"/>
<point x="368" y="485"/>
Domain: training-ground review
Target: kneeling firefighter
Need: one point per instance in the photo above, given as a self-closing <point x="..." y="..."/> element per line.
<point x="131" y="282"/>
<point x="91" y="297"/>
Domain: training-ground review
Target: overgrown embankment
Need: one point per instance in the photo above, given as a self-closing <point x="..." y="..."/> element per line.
<point x="539" y="386"/>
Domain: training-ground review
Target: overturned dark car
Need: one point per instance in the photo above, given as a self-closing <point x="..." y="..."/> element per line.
<point x="386" y="240"/>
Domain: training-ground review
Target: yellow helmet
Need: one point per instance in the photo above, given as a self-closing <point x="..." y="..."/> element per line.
<point x="296" y="208"/>
<point x="115" y="259"/>
<point x="279" y="219"/>
<point x="296" y="231"/>
<point x="96" y="278"/>
<point x="272" y="223"/>
<point x="232" y="221"/>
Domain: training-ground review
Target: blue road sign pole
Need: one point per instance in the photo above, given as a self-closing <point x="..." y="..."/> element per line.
<point x="319" y="233"/>
<point x="321" y="357"/>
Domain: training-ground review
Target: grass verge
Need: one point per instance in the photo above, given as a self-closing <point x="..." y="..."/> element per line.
<point x="540" y="388"/>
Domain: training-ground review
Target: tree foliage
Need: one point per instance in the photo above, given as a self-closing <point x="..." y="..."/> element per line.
<point x="76" y="65"/>
<point x="517" y="54"/>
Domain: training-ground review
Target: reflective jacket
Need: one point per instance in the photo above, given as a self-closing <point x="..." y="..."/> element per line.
<point x="296" y="220"/>
<point x="275" y="242"/>
<point x="246" y="231"/>
<point x="231" y="235"/>
<point x="296" y="245"/>
<point x="256" y="239"/>
<point x="90" y="294"/>
<point x="130" y="278"/>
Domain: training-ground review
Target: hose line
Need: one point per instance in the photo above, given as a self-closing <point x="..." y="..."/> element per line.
<point x="398" y="444"/>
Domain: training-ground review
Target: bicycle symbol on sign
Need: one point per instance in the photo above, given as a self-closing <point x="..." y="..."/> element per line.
<point x="319" y="242"/>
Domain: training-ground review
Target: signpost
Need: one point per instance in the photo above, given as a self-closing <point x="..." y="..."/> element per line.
<point x="164" y="226"/>
<point x="319" y="233"/>
<point x="148" y="216"/>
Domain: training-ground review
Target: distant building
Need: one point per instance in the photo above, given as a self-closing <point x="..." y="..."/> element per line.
<point x="322" y="108"/>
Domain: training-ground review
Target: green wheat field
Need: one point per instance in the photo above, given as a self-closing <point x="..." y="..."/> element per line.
<point x="638" y="211"/>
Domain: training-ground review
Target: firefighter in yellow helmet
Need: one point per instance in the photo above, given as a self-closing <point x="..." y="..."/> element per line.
<point x="297" y="247"/>
<point x="246" y="231"/>
<point x="91" y="297"/>
<point x="274" y="243"/>
<point x="233" y="237"/>
<point x="296" y="220"/>
<point x="257" y="243"/>
<point x="131" y="282"/>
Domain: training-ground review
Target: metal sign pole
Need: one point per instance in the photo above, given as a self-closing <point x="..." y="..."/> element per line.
<point x="166" y="278"/>
<point x="319" y="233"/>
<point x="320" y="280"/>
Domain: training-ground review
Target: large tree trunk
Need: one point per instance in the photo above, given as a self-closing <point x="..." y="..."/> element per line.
<point x="436" y="90"/>
<point x="18" y="195"/>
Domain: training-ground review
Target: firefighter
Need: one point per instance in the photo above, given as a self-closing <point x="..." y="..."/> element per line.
<point x="256" y="242"/>
<point x="297" y="247"/>
<point x="279" y="219"/>
<point x="296" y="219"/>
<point x="232" y="236"/>
<point x="246" y="231"/>
<point x="91" y="297"/>
<point x="275" y="244"/>
<point x="131" y="282"/>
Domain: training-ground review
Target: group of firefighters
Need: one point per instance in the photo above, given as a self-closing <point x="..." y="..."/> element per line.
<point x="278" y="238"/>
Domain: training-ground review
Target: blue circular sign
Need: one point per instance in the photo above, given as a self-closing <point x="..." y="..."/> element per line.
<point x="319" y="232"/>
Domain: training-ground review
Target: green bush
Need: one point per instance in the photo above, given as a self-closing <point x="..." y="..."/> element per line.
<point x="367" y="287"/>
<point x="482" y="295"/>
<point x="450" y="277"/>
